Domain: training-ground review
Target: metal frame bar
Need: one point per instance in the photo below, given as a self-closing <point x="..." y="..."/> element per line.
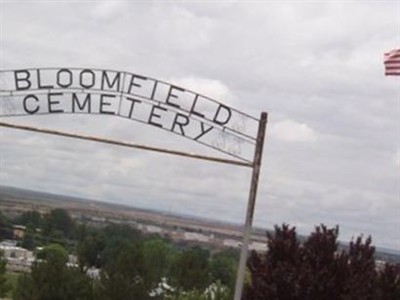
<point x="256" y="166"/>
<point x="252" y="144"/>
<point x="124" y="144"/>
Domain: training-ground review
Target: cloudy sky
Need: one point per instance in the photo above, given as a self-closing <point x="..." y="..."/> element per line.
<point x="332" y="152"/>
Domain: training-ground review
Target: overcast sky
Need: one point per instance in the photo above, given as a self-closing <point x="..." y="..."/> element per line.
<point x="332" y="152"/>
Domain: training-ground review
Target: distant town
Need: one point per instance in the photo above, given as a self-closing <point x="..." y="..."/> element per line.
<point x="14" y="202"/>
<point x="37" y="228"/>
<point x="196" y="231"/>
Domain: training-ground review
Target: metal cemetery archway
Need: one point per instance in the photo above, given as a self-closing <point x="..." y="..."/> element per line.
<point x="157" y="103"/>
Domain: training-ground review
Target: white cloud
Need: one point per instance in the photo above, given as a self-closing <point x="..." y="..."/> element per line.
<point x="315" y="67"/>
<point x="211" y="88"/>
<point x="396" y="159"/>
<point x="292" y="131"/>
<point x="104" y="10"/>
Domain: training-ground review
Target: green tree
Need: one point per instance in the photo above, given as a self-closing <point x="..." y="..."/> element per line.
<point x="58" y="223"/>
<point x="158" y="256"/>
<point x="5" y="227"/>
<point x="82" y="231"/>
<point x="25" y="289"/>
<point x="55" y="254"/>
<point x="191" y="269"/>
<point x="29" y="240"/>
<point x="97" y="247"/>
<point x="4" y="285"/>
<point x="223" y="268"/>
<point x="122" y="275"/>
<point x="216" y="291"/>
<point x="122" y="232"/>
<point x="115" y="236"/>
<point x="89" y="251"/>
<point x="52" y="279"/>
<point x="32" y="219"/>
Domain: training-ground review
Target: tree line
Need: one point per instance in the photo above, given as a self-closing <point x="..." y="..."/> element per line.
<point x="132" y="265"/>
<point x="136" y="266"/>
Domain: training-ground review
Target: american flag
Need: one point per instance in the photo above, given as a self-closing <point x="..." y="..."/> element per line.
<point x="392" y="62"/>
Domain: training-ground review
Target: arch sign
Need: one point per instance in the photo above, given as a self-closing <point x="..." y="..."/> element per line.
<point x="49" y="91"/>
<point x="133" y="97"/>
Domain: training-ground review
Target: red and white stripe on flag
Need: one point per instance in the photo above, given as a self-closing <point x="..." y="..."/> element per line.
<point x="392" y="62"/>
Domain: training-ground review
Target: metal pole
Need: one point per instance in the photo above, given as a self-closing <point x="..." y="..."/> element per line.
<point x="250" y="206"/>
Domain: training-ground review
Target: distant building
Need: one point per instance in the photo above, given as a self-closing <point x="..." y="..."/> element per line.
<point x="232" y="243"/>
<point x="19" y="231"/>
<point x="380" y="265"/>
<point x="15" y="252"/>
<point x="162" y="288"/>
<point x="72" y="259"/>
<point x="93" y="273"/>
<point x="198" y="237"/>
<point x="11" y="243"/>
<point x="152" y="229"/>
<point x="18" y="259"/>
<point x="258" y="246"/>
